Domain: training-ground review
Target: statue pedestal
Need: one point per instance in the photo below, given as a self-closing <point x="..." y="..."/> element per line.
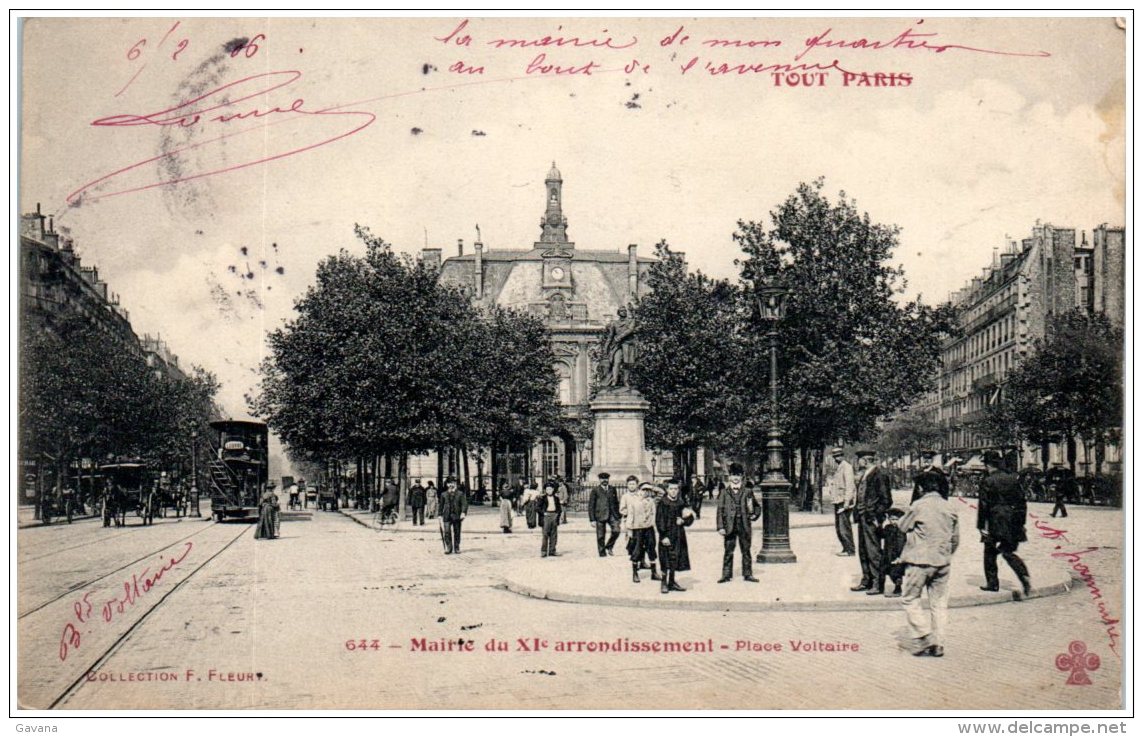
<point x="618" y="445"/>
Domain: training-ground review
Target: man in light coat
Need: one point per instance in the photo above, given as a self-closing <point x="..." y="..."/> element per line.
<point x="843" y="493"/>
<point x="931" y="539"/>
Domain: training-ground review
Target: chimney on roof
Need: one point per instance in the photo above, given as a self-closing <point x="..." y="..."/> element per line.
<point x="478" y="269"/>
<point x="632" y="271"/>
<point x="459" y="246"/>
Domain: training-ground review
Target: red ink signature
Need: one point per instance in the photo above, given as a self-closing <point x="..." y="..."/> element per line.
<point x="139" y="584"/>
<point x="225" y="102"/>
<point x="1052" y="533"/>
<point x="907" y="39"/>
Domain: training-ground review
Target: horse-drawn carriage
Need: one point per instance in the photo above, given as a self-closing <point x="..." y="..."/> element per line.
<point x="171" y="498"/>
<point x="129" y="488"/>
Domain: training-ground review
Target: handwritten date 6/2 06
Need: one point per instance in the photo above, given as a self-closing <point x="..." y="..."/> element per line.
<point x="362" y="645"/>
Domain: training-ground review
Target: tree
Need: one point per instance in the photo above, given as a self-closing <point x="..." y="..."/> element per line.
<point x="850" y="351"/>
<point x="908" y="433"/>
<point x="1069" y="387"/>
<point x="688" y="370"/>
<point x="383" y="359"/>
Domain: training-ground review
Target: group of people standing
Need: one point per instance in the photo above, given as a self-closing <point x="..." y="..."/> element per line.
<point x="914" y="547"/>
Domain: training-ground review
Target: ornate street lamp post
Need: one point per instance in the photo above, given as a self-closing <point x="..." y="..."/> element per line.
<point x="771" y="296"/>
<point x="193" y="492"/>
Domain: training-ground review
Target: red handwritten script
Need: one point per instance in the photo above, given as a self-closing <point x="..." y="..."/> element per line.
<point x="1074" y="558"/>
<point x="220" y="109"/>
<point x="130" y="592"/>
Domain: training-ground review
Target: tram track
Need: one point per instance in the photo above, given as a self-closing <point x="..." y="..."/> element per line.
<point x="115" y="646"/>
<point x="83" y="584"/>
<point x="57" y="551"/>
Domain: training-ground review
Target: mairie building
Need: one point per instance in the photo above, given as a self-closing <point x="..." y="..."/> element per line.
<point x="576" y="292"/>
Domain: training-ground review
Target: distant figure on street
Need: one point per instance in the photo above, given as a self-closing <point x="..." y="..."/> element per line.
<point x="639" y="506"/>
<point x="842" y="491"/>
<point x="432" y="500"/>
<point x="672" y="517"/>
<point x="530" y="497"/>
<point x="454" y="508"/>
<point x="698" y="491"/>
<point x="932" y="537"/>
<point x="390" y="500"/>
<point x="1001" y="514"/>
<point x="1060" y="483"/>
<point x="930" y="478"/>
<point x="417" y="502"/>
<point x="267" y="511"/>
<point x="505" y="507"/>
<point x="873" y="500"/>
<point x="548" y="511"/>
<point x="737" y="509"/>
<point x="603" y="512"/>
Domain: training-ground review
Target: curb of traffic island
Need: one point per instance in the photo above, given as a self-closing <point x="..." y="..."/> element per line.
<point x="58" y="521"/>
<point x="858" y="604"/>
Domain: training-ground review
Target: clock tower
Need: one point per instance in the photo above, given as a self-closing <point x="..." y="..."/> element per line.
<point x="554" y="226"/>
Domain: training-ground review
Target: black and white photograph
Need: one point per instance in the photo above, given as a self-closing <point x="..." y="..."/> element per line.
<point x="485" y="363"/>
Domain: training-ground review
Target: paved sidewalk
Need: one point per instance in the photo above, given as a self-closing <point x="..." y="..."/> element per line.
<point x="819" y="581"/>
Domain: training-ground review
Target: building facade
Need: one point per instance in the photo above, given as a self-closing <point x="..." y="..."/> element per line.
<point x="576" y="292"/>
<point x="1004" y="310"/>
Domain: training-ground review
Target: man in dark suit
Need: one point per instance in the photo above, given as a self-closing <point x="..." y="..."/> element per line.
<point x="603" y="511"/>
<point x="874" y="497"/>
<point x="737" y="508"/>
<point x="454" y="507"/>
<point x="417" y="499"/>
<point x="1001" y="514"/>
<point x="549" y="511"/>
<point x="931" y="477"/>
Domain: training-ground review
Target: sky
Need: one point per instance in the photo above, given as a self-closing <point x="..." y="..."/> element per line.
<point x="206" y="166"/>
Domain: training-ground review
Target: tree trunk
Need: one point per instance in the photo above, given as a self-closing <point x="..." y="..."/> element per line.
<point x="1100" y="453"/>
<point x="440" y="468"/>
<point x="1045" y="454"/>
<point x="402" y="482"/>
<point x="464" y="463"/>
<point x="1071" y="450"/>
<point x="819" y="473"/>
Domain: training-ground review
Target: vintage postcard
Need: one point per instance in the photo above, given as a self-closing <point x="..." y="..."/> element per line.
<point x="571" y="363"/>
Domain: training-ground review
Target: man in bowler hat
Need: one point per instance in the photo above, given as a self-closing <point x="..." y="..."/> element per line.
<point x="453" y="508"/>
<point x="873" y="500"/>
<point x="1001" y="514"/>
<point x="603" y="512"/>
<point x="737" y="508"/>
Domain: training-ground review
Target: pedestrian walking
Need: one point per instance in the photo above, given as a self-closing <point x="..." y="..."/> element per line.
<point x="698" y="491"/>
<point x="672" y="517"/>
<point x="530" y="497"/>
<point x="549" y="511"/>
<point x="737" y="509"/>
<point x="640" y="515"/>
<point x="390" y="501"/>
<point x="432" y="500"/>
<point x="1001" y="514"/>
<point x="267" y="507"/>
<point x="930" y="478"/>
<point x="932" y="536"/>
<point x="454" y="508"/>
<point x="505" y="508"/>
<point x="874" y="498"/>
<point x="418" y="500"/>
<point x="603" y="512"/>
<point x="1060" y="483"/>
<point x="842" y="491"/>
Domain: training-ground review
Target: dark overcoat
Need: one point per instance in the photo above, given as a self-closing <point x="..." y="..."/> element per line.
<point x="603" y="504"/>
<point x="1001" y="510"/>
<point x="667" y="516"/>
<point x="453" y="504"/>
<point x="748" y="509"/>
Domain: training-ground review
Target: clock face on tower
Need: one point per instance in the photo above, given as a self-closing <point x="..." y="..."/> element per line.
<point x="558" y="273"/>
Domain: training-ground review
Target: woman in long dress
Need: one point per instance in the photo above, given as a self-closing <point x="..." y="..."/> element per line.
<point x="267" y="509"/>
<point x="431" y="500"/>
<point x="505" y="507"/>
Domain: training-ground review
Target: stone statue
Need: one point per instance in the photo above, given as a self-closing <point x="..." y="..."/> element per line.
<point x="618" y="352"/>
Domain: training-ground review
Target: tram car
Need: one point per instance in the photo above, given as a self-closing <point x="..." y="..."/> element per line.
<point x="129" y="488"/>
<point x="240" y="470"/>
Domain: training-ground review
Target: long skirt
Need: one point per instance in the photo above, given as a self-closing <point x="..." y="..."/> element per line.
<point x="530" y="514"/>
<point x="505" y="514"/>
<point x="265" y="529"/>
<point x="431" y="506"/>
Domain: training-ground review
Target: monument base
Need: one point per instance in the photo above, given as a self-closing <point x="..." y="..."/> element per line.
<point x="618" y="444"/>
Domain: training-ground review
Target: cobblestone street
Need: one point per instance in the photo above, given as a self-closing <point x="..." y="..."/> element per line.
<point x="333" y="615"/>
